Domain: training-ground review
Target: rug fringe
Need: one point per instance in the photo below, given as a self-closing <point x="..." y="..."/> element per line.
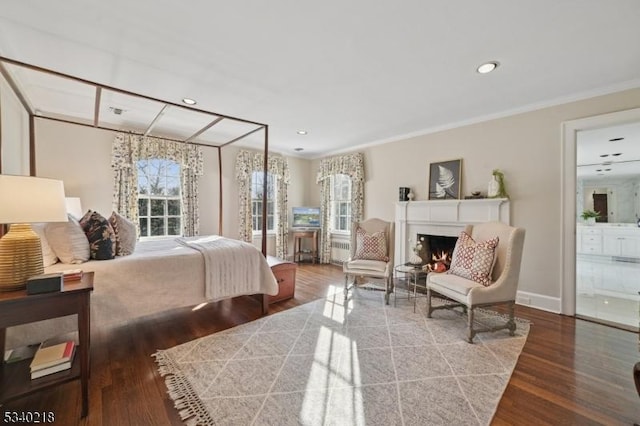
<point x="185" y="399"/>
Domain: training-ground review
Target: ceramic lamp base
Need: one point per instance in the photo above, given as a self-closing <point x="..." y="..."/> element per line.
<point x="20" y="257"/>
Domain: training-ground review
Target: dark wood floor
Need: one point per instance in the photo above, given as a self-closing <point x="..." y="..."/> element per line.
<point x="570" y="372"/>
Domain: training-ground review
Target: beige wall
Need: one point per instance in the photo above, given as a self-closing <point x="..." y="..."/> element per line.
<point x="14" y="133"/>
<point x="526" y="147"/>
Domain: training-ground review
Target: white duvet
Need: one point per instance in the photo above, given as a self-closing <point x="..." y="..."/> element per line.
<point x="160" y="275"/>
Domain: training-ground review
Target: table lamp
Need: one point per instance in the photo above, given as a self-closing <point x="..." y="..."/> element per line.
<point x="74" y="207"/>
<point x="25" y="200"/>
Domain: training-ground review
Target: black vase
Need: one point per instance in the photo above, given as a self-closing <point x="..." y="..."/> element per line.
<point x="404" y="194"/>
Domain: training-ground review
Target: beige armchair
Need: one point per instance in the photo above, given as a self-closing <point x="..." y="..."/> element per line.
<point x="504" y="278"/>
<point x="371" y="256"/>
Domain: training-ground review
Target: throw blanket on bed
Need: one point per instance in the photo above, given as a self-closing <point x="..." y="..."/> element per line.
<point x="232" y="267"/>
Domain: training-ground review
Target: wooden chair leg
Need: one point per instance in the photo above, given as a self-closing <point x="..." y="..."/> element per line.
<point x="429" y="310"/>
<point x="511" y="324"/>
<point x="470" y="332"/>
<point x="346" y="285"/>
<point x="636" y="376"/>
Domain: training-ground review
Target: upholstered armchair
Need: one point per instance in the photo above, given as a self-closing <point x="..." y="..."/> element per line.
<point x="469" y="290"/>
<point x="371" y="256"/>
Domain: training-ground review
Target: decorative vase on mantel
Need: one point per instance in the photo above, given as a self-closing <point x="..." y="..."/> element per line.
<point x="590" y="221"/>
<point x="492" y="189"/>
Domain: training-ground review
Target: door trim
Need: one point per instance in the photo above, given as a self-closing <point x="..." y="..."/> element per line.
<point x="568" y="194"/>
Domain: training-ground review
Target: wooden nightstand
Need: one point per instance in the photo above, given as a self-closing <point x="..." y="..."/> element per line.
<point x="16" y="307"/>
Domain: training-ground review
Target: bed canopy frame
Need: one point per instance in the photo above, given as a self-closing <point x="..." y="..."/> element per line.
<point x="11" y="68"/>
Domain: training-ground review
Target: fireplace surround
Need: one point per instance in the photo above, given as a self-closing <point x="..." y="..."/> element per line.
<point x="442" y="217"/>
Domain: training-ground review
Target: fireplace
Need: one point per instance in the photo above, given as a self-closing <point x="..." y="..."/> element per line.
<point x="441" y="218"/>
<point x="436" y="251"/>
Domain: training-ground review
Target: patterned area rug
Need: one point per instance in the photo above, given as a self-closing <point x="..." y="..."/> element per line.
<point x="327" y="363"/>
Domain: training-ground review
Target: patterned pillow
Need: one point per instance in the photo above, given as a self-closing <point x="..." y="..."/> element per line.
<point x="371" y="246"/>
<point x="473" y="261"/>
<point x="102" y="239"/>
<point x="126" y="234"/>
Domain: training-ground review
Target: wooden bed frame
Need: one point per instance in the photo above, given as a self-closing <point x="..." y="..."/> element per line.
<point x="216" y="118"/>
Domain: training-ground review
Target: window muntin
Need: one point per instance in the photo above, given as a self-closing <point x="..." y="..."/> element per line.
<point x="159" y="198"/>
<point x="257" y="179"/>
<point x="340" y="199"/>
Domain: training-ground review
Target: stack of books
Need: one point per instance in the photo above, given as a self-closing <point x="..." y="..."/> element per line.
<point x="72" y="274"/>
<point x="52" y="359"/>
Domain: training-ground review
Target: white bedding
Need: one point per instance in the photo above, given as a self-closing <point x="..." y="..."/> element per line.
<point x="160" y="275"/>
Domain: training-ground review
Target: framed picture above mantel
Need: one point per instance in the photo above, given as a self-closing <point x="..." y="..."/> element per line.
<point x="445" y="180"/>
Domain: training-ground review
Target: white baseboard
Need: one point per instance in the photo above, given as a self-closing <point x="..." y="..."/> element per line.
<point x="539" y="301"/>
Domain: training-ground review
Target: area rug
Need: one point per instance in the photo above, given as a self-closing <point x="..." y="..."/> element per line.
<point x="332" y="362"/>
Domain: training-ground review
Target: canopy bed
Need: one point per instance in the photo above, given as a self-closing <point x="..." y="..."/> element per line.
<point x="161" y="274"/>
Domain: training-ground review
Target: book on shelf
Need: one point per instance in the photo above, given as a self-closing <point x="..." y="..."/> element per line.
<point x="51" y="356"/>
<point x="53" y="369"/>
<point x="20" y="353"/>
<point x="72" y="274"/>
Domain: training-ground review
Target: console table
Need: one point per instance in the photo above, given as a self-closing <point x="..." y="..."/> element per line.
<point x="16" y="307"/>
<point x="298" y="236"/>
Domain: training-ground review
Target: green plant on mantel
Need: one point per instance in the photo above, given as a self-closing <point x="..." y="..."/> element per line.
<point x="589" y="213"/>
<point x="502" y="190"/>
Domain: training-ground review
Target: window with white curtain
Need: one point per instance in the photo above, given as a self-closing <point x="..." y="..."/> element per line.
<point x="340" y="199"/>
<point x="257" y="187"/>
<point x="159" y="198"/>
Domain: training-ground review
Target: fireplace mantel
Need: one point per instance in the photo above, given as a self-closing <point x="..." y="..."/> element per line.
<point x="443" y="217"/>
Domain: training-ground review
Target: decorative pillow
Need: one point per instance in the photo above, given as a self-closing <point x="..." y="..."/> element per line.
<point x="473" y="261"/>
<point x="371" y="246"/>
<point x="67" y="240"/>
<point x="48" y="255"/>
<point x="126" y="235"/>
<point x="102" y="238"/>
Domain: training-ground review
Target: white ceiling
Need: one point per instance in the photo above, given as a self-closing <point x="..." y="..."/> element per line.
<point x="609" y="152"/>
<point x="351" y="73"/>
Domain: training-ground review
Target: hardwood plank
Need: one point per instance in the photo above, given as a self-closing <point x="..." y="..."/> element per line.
<point x="570" y="371"/>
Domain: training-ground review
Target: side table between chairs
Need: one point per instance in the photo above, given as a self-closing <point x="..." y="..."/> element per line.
<point x="414" y="273"/>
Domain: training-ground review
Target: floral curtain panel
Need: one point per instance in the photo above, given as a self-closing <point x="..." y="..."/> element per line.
<point x="127" y="149"/>
<point x="248" y="162"/>
<point x="348" y="164"/>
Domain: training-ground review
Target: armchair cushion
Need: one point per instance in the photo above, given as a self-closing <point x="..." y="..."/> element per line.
<point x="473" y="260"/>
<point x="454" y="283"/>
<point x="371" y="246"/>
<point x="366" y="265"/>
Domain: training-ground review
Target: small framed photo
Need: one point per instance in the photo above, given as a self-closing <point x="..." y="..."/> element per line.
<point x="445" y="179"/>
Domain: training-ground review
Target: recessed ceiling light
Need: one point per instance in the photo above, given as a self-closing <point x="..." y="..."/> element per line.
<point x="606" y="163"/>
<point x="189" y="101"/>
<point x="615" y="139"/>
<point x="298" y="149"/>
<point x="604" y="155"/>
<point x="607" y="170"/>
<point x="598" y="170"/>
<point x="616" y="154"/>
<point x="302" y="132"/>
<point x="487" y="67"/>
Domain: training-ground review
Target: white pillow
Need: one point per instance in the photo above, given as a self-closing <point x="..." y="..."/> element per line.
<point x="48" y="256"/>
<point x="68" y="241"/>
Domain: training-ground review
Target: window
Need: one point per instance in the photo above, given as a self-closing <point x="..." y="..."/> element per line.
<point x="159" y="198"/>
<point x="340" y="203"/>
<point x="257" y="179"/>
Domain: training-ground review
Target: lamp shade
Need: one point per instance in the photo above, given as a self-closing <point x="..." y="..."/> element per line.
<point x="28" y="199"/>
<point x="74" y="207"/>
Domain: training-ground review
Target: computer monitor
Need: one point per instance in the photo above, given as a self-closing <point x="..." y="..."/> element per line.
<point x="306" y="217"/>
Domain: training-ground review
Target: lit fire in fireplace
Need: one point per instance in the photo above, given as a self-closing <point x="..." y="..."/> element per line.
<point x="439" y="262"/>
